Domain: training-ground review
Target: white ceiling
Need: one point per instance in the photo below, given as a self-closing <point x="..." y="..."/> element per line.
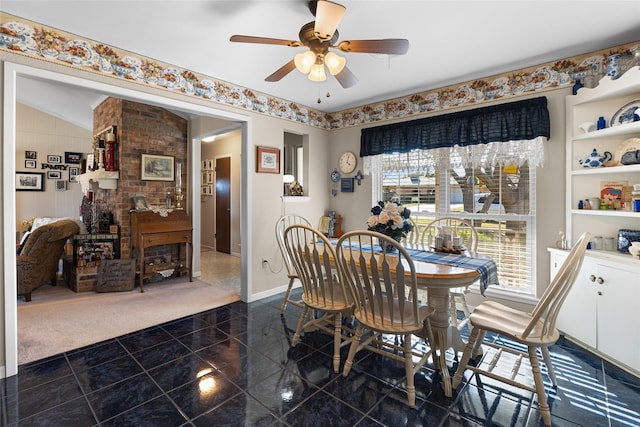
<point x="450" y="41"/>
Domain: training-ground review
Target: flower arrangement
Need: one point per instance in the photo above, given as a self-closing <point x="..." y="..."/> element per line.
<point x="390" y="218"/>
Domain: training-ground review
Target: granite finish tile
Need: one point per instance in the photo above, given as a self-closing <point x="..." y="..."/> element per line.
<point x="226" y="352"/>
<point x="96" y="354"/>
<point x="151" y="357"/>
<point x="202" y="338"/>
<point x="203" y="394"/>
<point x="180" y="371"/>
<point x="107" y="373"/>
<point x="146" y="338"/>
<point x="159" y="412"/>
<point x="48" y="395"/>
<point x="36" y="373"/>
<point x="322" y="409"/>
<point x="239" y="410"/>
<point x="282" y="392"/>
<point x="120" y="397"/>
<point x="251" y="370"/>
<point x="75" y="413"/>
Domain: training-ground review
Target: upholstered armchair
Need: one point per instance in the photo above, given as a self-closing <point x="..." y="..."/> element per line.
<point x="37" y="262"/>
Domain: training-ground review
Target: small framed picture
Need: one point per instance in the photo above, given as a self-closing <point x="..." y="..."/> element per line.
<point x="73" y="173"/>
<point x="61" y="185"/>
<point x="210" y="164"/>
<point x="29" y="181"/>
<point x="157" y="168"/>
<point x="73" y="158"/>
<point x="268" y="160"/>
<point x="54" y="158"/>
<point x="91" y="162"/>
<point x="30" y="164"/>
<point x="205" y="162"/>
<point x="204" y="190"/>
<point x="54" y="174"/>
<point x="139" y="203"/>
<point x="346" y="185"/>
<point x="32" y="155"/>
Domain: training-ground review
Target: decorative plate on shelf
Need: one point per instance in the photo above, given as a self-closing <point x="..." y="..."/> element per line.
<point x="625" y="113"/>
<point x="631" y="144"/>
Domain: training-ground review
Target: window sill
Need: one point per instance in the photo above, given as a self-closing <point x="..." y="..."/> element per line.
<point x="296" y="198"/>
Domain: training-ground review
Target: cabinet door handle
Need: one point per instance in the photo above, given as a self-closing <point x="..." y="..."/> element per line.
<point x="599" y="293"/>
<point x="600" y="280"/>
<point x="592" y="278"/>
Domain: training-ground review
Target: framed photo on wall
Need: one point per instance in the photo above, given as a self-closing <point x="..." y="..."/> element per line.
<point x="73" y="173"/>
<point x="54" y="158"/>
<point x="54" y="174"/>
<point x="30" y="164"/>
<point x="73" y="158"/>
<point x="157" y="168"/>
<point x="268" y="160"/>
<point x="29" y="181"/>
<point x="31" y="155"/>
<point x="61" y="185"/>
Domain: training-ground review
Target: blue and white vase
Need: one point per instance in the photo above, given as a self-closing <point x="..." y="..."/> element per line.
<point x="613" y="67"/>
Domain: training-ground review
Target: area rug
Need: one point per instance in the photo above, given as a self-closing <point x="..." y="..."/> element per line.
<point x="58" y="320"/>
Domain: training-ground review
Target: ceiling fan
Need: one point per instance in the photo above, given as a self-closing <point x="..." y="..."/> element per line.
<point x="319" y="36"/>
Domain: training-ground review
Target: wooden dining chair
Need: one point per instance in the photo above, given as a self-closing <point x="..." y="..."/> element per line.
<point x="469" y="238"/>
<point x="533" y="330"/>
<point x="384" y="288"/>
<point x="324" y="292"/>
<point x="412" y="238"/>
<point x="281" y="224"/>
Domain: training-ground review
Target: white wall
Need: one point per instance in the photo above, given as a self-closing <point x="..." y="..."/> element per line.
<point x="45" y="134"/>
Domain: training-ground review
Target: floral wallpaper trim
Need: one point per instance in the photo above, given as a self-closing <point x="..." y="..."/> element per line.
<point x="30" y="39"/>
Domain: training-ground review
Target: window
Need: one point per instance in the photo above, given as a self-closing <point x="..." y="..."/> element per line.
<point x="491" y="185"/>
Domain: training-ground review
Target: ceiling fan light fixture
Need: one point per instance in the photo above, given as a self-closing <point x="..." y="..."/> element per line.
<point x="328" y="16"/>
<point x="304" y="61"/>
<point x="317" y="73"/>
<point x="335" y="63"/>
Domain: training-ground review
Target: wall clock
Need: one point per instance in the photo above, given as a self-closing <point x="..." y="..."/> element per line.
<point x="348" y="162"/>
<point x="335" y="175"/>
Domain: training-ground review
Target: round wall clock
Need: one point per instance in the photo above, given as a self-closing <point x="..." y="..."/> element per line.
<point x="335" y="175"/>
<point x="348" y="162"/>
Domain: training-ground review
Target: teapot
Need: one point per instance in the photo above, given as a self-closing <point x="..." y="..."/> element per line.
<point x="595" y="159"/>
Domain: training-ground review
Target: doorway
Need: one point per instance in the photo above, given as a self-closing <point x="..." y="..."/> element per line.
<point x="13" y="72"/>
<point x="223" y="205"/>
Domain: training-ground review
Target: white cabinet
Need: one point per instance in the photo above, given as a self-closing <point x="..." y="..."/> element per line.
<point x="582" y="183"/>
<point x="601" y="309"/>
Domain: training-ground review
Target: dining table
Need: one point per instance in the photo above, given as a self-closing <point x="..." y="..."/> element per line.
<point x="438" y="273"/>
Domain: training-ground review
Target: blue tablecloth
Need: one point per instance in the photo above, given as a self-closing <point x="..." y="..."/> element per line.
<point x="485" y="265"/>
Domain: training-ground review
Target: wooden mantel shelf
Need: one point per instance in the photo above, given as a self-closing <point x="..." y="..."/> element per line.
<point x="106" y="180"/>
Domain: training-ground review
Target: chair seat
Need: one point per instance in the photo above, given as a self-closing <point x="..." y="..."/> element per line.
<point x="498" y="318"/>
<point x="395" y="325"/>
<point x="331" y="302"/>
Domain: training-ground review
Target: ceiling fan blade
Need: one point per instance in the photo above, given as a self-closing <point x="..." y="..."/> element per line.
<point x="264" y="40"/>
<point x="281" y="72"/>
<point x="328" y="16"/>
<point x="346" y="78"/>
<point x="388" y="46"/>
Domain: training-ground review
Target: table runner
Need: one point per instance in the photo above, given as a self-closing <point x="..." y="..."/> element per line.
<point x="483" y="264"/>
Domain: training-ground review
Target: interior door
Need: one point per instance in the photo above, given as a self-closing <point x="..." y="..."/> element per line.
<point x="223" y="205"/>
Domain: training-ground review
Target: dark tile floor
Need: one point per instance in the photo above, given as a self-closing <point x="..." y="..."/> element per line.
<point x="233" y="366"/>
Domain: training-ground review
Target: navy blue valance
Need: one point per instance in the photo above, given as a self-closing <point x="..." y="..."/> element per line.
<point x="514" y="121"/>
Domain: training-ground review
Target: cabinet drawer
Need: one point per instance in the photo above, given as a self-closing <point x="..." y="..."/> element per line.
<point x="166" y="238"/>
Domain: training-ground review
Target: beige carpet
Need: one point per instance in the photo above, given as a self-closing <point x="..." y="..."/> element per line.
<point x="59" y="320"/>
